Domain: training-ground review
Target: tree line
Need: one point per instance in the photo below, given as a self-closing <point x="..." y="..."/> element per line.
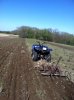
<point x="44" y="34"/>
<point x="6" y="32"/>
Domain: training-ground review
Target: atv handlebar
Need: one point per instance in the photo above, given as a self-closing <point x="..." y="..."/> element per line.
<point x="40" y="43"/>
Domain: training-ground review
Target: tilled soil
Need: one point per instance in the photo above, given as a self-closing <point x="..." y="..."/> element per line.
<point x="22" y="82"/>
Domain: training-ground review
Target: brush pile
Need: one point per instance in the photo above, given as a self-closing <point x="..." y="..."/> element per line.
<point x="44" y="65"/>
<point x="48" y="68"/>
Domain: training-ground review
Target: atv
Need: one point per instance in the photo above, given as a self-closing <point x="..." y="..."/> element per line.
<point x="40" y="51"/>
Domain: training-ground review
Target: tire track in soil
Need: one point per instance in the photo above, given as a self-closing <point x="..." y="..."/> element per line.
<point x="6" y="61"/>
<point x="7" y="76"/>
<point x="6" y="72"/>
<point x="6" y="51"/>
<point x="14" y="80"/>
<point x="24" y="77"/>
<point x="20" y="88"/>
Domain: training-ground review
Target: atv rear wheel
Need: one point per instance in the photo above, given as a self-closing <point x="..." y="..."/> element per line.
<point x="34" y="56"/>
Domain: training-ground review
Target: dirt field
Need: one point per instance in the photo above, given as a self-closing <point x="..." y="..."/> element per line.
<point x="20" y="81"/>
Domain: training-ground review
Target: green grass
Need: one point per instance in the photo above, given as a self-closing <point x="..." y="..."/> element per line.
<point x="67" y="55"/>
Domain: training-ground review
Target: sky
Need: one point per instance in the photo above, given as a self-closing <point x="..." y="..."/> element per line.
<point x="55" y="14"/>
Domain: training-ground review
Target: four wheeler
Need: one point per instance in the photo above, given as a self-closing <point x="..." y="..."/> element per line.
<point x="40" y="51"/>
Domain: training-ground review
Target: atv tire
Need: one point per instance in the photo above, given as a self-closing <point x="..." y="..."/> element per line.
<point x="34" y="56"/>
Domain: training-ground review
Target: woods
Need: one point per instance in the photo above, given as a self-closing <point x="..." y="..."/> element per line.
<point x="45" y="34"/>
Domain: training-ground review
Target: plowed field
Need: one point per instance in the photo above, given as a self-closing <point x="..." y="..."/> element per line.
<point x="20" y="81"/>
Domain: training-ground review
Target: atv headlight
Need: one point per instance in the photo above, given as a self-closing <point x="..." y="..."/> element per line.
<point x="44" y="48"/>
